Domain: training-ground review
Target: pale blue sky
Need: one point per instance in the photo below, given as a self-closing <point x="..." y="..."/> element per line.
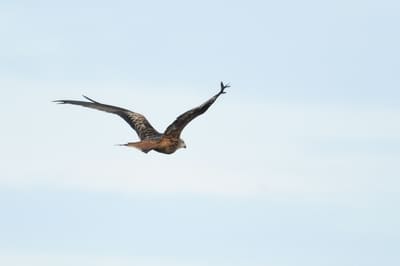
<point x="298" y="164"/>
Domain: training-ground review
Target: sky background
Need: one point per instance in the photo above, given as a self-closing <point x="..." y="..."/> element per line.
<point x="297" y="165"/>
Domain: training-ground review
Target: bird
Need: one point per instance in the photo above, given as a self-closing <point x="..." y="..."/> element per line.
<point x="150" y="139"/>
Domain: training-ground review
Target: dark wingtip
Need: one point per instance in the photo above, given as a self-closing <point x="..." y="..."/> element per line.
<point x="223" y="87"/>
<point x="59" y="101"/>
<point x="87" y="98"/>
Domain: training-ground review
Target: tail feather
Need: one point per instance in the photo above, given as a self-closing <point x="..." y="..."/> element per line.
<point x="145" y="145"/>
<point x="133" y="144"/>
<point x="125" y="144"/>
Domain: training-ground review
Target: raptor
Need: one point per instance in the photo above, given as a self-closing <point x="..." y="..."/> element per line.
<point x="150" y="139"/>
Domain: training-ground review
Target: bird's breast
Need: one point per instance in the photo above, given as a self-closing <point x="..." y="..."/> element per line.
<point x="167" y="145"/>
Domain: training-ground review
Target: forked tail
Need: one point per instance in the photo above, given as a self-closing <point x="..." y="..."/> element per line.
<point x="145" y="146"/>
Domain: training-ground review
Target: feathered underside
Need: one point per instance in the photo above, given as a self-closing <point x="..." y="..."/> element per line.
<point x="137" y="121"/>
<point x="174" y="130"/>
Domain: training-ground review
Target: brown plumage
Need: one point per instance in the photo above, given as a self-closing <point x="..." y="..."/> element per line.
<point x="150" y="139"/>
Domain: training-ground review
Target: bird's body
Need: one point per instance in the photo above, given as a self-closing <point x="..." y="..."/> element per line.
<point x="163" y="144"/>
<point x="150" y="139"/>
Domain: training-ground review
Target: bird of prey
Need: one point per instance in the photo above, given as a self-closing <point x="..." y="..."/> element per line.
<point x="150" y="139"/>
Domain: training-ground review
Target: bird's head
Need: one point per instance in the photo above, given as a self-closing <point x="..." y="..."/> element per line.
<point x="181" y="144"/>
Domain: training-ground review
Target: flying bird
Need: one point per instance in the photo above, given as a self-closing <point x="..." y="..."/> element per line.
<point x="150" y="139"/>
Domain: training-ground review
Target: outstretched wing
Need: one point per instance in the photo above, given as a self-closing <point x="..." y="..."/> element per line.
<point x="174" y="130"/>
<point x="137" y="121"/>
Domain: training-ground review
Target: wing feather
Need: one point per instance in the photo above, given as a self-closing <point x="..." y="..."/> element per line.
<point x="137" y="121"/>
<point x="174" y="130"/>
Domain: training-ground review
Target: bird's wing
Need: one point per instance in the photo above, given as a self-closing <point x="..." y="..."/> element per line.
<point x="175" y="129"/>
<point x="137" y="121"/>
